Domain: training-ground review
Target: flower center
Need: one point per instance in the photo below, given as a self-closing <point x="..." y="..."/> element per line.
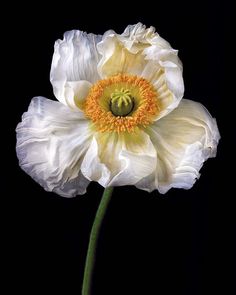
<point x="122" y="102"/>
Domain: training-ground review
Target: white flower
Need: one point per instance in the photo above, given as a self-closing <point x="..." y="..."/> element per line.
<point x="120" y="119"/>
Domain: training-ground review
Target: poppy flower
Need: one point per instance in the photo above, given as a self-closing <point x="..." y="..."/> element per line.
<point x="120" y="118"/>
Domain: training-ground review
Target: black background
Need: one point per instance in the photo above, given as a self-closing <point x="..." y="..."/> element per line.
<point x="178" y="243"/>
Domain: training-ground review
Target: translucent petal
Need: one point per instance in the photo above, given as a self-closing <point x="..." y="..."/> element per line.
<point x="51" y="143"/>
<point x="74" y="60"/>
<point x="184" y="139"/>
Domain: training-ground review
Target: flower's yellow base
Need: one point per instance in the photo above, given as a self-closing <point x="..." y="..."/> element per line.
<point x="122" y="103"/>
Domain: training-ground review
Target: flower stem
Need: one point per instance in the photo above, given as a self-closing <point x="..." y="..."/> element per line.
<point x="91" y="253"/>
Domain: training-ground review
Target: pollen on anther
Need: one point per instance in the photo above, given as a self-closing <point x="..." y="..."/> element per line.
<point x="97" y="104"/>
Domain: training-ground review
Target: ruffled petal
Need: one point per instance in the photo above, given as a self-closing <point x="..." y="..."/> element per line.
<point x="123" y="53"/>
<point x="75" y="93"/>
<point x="164" y="70"/>
<point x="116" y="159"/>
<point x="116" y="58"/>
<point x="140" y="51"/>
<point x="51" y="143"/>
<point x="74" y="60"/>
<point x="184" y="139"/>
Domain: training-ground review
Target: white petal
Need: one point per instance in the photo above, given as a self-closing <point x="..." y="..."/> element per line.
<point x="123" y="53"/>
<point x="140" y="51"/>
<point x="75" y="93"/>
<point x="117" y="59"/>
<point x="184" y="139"/>
<point x="75" y="59"/>
<point x="51" y="143"/>
<point x="116" y="160"/>
<point x="135" y="35"/>
<point x="164" y="71"/>
<point x="92" y="167"/>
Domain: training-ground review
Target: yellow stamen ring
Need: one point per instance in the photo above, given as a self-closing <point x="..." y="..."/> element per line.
<point x="121" y="103"/>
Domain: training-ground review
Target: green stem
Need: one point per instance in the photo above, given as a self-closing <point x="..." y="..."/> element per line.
<point x="91" y="253"/>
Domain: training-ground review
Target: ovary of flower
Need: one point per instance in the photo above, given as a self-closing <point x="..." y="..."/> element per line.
<point x="122" y="96"/>
<point x="121" y="118"/>
<point x="121" y="103"/>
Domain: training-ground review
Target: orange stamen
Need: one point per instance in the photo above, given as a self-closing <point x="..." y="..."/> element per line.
<point x="147" y="106"/>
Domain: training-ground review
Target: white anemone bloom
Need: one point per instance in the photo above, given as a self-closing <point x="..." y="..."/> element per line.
<point x="120" y="119"/>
